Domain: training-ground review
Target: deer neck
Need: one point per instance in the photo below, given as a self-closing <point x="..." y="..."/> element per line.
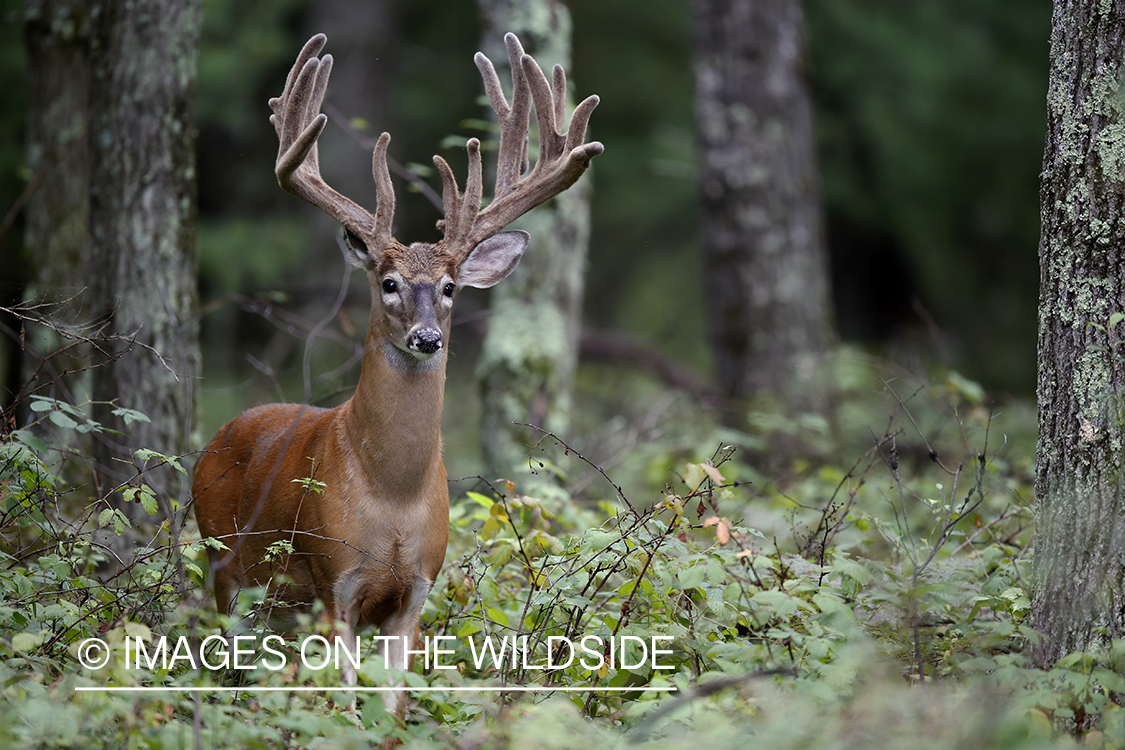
<point x="393" y="422"/>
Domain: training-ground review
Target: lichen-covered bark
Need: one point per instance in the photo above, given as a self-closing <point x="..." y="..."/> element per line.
<point x="1080" y="542"/>
<point x="765" y="265"/>
<point x="526" y="369"/>
<point x="142" y="219"/>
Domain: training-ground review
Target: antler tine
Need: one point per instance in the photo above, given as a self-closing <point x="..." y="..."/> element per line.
<point x="384" y="192"/>
<point x="460" y="210"/>
<point x="311" y="49"/>
<point x="511" y="160"/>
<point x="559" y="103"/>
<point x="298" y="122"/>
<point x="562" y="158"/>
<point x="579" y="121"/>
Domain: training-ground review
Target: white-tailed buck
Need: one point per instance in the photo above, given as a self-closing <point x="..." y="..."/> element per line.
<point x="370" y="544"/>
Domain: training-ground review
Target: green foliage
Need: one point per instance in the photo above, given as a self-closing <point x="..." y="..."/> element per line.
<point x="311" y="483"/>
<point x="881" y="601"/>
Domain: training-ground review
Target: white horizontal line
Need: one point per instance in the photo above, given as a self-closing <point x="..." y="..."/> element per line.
<point x="339" y="688"/>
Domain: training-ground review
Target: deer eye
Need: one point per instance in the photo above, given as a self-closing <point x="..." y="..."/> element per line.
<point x="449" y="289"/>
<point x="389" y="286"/>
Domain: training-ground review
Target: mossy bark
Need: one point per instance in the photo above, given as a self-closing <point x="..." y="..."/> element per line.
<point x="1079" y="600"/>
<point x="143" y="266"/>
<point x="765" y="264"/>
<point x="529" y="355"/>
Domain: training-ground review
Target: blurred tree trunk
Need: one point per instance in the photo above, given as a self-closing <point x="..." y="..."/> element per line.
<point x="765" y="266"/>
<point x="1079" y="599"/>
<point x="57" y="215"/>
<point x="143" y="225"/>
<point x="530" y="351"/>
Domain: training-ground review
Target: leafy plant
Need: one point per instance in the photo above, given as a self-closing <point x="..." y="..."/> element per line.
<point x="718" y="604"/>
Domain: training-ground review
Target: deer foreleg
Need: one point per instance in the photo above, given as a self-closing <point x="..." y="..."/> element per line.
<point x="399" y="644"/>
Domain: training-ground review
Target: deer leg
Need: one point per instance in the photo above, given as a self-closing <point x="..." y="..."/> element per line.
<point x="224" y="581"/>
<point x="346" y="620"/>
<point x="400" y="643"/>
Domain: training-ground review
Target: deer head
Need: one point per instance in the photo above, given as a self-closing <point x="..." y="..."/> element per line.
<point x="413" y="285"/>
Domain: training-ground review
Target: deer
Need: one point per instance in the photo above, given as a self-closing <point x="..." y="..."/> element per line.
<point x="370" y="541"/>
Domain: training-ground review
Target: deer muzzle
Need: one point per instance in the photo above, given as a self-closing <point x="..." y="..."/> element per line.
<point x="424" y="342"/>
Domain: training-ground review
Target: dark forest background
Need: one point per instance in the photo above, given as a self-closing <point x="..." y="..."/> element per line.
<point x="929" y="128"/>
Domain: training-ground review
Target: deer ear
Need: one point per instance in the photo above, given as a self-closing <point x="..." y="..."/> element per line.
<point x="493" y="259"/>
<point x="354" y="249"/>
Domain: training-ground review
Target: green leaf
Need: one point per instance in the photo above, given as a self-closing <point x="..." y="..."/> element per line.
<point x="1077" y="659"/>
<point x="980" y="664"/>
<point x="500" y="554"/>
<point x="691" y="577"/>
<point x="41" y="403"/>
<point x="828" y="602"/>
<point x="30" y="440"/>
<point x="971" y="390"/>
<point x="781" y="603"/>
<point x="467" y="628"/>
<point x="1110" y="681"/>
<point x="144" y="455"/>
<point x="27" y="641"/>
<point x="63" y="420"/>
<point x="130" y="415"/>
<point x="20" y="584"/>
<point x="596" y="540"/>
<point x="498" y="616"/>
<point x="1116" y="318"/>
<point x="145" y="496"/>
<point x="148" y="501"/>
<point x="120" y="521"/>
<point x="851" y="568"/>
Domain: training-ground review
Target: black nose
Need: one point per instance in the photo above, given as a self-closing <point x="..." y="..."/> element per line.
<point x="424" y="340"/>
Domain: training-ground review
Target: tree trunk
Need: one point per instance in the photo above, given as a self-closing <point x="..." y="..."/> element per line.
<point x="143" y="225"/>
<point x="765" y="265"/>
<point x="1078" y="600"/>
<point x="58" y="212"/>
<point x="57" y="226"/>
<point x="529" y="354"/>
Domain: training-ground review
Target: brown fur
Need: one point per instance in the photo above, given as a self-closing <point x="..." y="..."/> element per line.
<point x="371" y="545"/>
